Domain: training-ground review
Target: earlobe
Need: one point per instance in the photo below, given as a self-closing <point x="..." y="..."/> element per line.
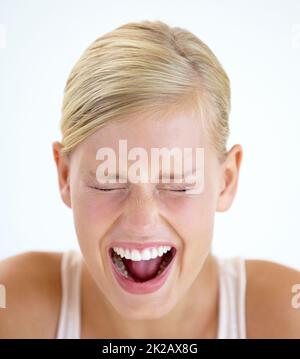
<point x="62" y="165"/>
<point x="230" y="175"/>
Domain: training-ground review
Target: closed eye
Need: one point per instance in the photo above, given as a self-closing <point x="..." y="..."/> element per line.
<point x="176" y="190"/>
<point x="106" y="189"/>
<point x="179" y="190"/>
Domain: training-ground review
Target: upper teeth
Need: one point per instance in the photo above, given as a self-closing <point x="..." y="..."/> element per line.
<point x="146" y="254"/>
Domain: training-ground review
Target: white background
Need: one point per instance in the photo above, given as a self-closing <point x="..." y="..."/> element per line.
<point x="258" y="43"/>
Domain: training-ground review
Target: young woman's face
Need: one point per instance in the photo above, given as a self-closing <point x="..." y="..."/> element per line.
<point x="140" y="213"/>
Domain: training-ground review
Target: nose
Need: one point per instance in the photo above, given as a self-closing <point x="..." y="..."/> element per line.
<point x="140" y="217"/>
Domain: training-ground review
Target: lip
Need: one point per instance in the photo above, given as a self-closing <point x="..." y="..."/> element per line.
<point x="146" y="287"/>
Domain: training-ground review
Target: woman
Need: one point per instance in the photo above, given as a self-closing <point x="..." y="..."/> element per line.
<point x="146" y="269"/>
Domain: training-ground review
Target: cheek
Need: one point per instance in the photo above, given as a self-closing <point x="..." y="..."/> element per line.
<point x="193" y="220"/>
<point x="193" y="217"/>
<point x="93" y="213"/>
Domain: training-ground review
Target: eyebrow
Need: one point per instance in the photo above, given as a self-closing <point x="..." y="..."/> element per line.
<point x="92" y="175"/>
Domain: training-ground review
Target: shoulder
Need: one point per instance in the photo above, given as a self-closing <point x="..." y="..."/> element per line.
<point x="272" y="300"/>
<point x="32" y="289"/>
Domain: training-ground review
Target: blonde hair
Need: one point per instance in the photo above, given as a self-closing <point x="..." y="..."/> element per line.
<point x="145" y="66"/>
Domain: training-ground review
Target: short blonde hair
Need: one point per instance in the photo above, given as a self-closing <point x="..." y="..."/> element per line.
<point x="145" y="66"/>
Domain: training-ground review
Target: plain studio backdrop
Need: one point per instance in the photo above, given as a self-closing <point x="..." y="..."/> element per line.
<point x="258" y="44"/>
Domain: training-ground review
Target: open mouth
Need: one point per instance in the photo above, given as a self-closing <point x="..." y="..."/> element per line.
<point x="141" y="270"/>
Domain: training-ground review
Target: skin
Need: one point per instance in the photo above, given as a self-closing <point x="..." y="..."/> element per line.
<point x="187" y="305"/>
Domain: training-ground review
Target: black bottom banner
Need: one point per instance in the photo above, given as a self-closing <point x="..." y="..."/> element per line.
<point x="135" y="348"/>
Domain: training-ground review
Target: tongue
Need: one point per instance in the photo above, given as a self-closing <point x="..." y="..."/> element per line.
<point x="143" y="270"/>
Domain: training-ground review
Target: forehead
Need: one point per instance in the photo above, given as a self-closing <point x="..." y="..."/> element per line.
<point x="175" y="129"/>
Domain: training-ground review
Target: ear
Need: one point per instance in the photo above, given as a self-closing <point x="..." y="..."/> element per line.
<point x="229" y="179"/>
<point x="62" y="164"/>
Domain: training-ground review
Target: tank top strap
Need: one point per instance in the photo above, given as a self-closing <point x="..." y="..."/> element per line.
<point x="232" y="315"/>
<point x="70" y="310"/>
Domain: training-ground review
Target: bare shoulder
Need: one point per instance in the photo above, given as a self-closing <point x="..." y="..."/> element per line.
<point x="32" y="285"/>
<point x="272" y="300"/>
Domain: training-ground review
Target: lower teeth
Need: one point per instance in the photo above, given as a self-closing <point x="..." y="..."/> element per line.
<point x="122" y="269"/>
<point x="120" y="266"/>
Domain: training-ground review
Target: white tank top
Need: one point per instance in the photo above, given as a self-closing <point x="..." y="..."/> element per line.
<point x="232" y="280"/>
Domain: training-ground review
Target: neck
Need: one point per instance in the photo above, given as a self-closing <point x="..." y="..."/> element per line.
<point x="194" y="316"/>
